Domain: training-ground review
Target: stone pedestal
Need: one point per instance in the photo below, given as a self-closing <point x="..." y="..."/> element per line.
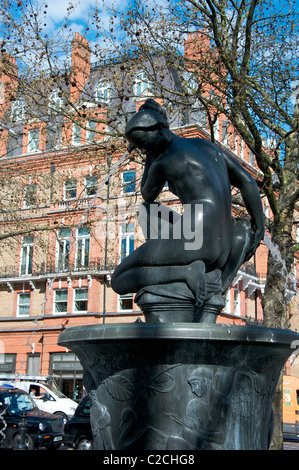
<point x="180" y="386"/>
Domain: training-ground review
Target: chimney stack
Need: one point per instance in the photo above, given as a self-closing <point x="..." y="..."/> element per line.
<point x="81" y="64"/>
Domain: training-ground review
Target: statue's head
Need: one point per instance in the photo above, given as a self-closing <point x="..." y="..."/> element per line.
<point x="144" y="128"/>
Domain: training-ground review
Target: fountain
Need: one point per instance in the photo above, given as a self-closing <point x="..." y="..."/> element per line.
<point x="180" y="381"/>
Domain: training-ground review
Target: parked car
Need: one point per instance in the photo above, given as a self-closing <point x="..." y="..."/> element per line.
<point x="77" y="431"/>
<point x="42" y="429"/>
<point x="46" y="397"/>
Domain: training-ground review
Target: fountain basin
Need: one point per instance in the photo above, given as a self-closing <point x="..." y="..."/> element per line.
<point x="180" y="386"/>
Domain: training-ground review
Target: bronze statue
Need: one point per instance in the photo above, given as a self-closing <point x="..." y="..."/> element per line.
<point x="200" y="174"/>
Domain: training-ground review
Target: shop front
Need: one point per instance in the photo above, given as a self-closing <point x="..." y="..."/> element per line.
<point x="67" y="373"/>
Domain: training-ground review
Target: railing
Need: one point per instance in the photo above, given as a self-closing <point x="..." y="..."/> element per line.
<point x="94" y="265"/>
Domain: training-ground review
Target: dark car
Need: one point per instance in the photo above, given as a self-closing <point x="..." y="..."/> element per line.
<point x="42" y="429"/>
<point x="77" y="431"/>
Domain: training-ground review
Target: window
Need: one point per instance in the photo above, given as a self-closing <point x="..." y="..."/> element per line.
<point x="127" y="240"/>
<point x="125" y="302"/>
<point x="227" y="301"/>
<point x="26" y="255"/>
<point x="60" y="301"/>
<point x="192" y="83"/>
<point x="237" y="301"/>
<point x="83" y="245"/>
<point x="90" y="132"/>
<point x="33" y="364"/>
<point x="128" y="181"/>
<point x="55" y="102"/>
<point x="76" y="134"/>
<point x="102" y="94"/>
<point x="30" y="195"/>
<point x="14" y="144"/>
<point x="33" y="140"/>
<point x="54" y="136"/>
<point x="236" y="142"/>
<point x="63" y="249"/>
<point x="141" y="83"/>
<point x="241" y="148"/>
<point x="216" y="128"/>
<point x="18" y="111"/>
<point x="23" y="304"/>
<point x="81" y="296"/>
<point x="225" y="133"/>
<point x="70" y="189"/>
<point x="91" y="186"/>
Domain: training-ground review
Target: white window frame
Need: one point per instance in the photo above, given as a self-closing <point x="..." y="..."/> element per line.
<point x="75" y="300"/>
<point x="141" y="83"/>
<point x="91" y="131"/>
<point x="89" y="185"/>
<point x="65" y="189"/>
<point x="103" y="92"/>
<point x="76" y="134"/>
<point x="227" y="308"/>
<point x="55" y="302"/>
<point x="237" y="302"/>
<point x="28" y="295"/>
<point x="33" y="140"/>
<point x="27" y="188"/>
<point x="126" y="184"/>
<point x="120" y="298"/>
<point x="55" y="102"/>
<point x="63" y="242"/>
<point x="236" y="143"/>
<point x="127" y="233"/>
<point x="225" y="134"/>
<point x="241" y="147"/>
<point x="18" y="111"/>
<point x="84" y="241"/>
<point x="216" y="128"/>
<point x="27" y="255"/>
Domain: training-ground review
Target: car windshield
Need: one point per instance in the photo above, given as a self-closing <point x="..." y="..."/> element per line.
<point x="18" y="402"/>
<point x="57" y="392"/>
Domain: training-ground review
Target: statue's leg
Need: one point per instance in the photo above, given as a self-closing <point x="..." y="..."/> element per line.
<point x="136" y="278"/>
<point x="241" y="239"/>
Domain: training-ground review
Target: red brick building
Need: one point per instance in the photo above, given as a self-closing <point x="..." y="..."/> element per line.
<point x="80" y="223"/>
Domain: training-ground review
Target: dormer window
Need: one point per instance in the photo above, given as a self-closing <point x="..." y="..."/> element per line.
<point x="103" y="93"/>
<point x="55" y="102"/>
<point x="18" y="111"/>
<point x="141" y="83"/>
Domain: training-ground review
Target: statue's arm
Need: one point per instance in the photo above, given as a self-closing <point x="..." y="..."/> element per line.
<point x="242" y="180"/>
<point x="153" y="180"/>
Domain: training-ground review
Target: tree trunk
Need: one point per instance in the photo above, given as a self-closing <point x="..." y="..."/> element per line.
<point x="275" y="316"/>
<point x="277" y="436"/>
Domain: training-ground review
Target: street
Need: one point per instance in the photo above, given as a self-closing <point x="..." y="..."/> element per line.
<point x="291" y="445"/>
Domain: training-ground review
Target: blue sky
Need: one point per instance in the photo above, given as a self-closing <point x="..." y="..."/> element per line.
<point x="79" y="13"/>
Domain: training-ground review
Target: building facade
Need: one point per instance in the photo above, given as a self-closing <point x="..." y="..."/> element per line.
<point x="69" y="207"/>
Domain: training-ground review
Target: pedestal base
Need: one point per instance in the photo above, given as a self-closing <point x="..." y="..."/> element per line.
<point x="180" y="386"/>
